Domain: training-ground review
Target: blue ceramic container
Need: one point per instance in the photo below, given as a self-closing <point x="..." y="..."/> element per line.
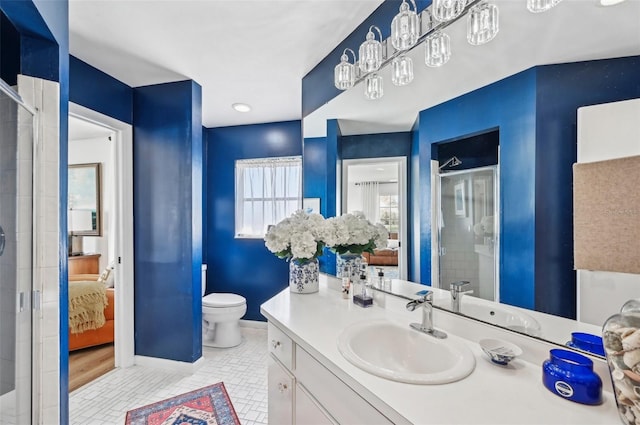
<point x="587" y="342"/>
<point x="570" y="375"/>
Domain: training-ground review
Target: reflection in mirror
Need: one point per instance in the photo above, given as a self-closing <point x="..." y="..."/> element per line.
<point x="84" y="200"/>
<point x="528" y="84"/>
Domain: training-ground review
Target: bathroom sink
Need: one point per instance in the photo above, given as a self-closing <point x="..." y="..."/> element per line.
<point x="501" y="316"/>
<point x="402" y="354"/>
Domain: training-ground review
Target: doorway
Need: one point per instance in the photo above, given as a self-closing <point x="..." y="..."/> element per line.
<point x="97" y="138"/>
<point x="377" y="187"/>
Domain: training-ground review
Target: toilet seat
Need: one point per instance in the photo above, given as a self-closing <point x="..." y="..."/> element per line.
<point x="218" y="300"/>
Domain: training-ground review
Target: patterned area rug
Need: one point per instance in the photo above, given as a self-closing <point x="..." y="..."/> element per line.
<point x="207" y="406"/>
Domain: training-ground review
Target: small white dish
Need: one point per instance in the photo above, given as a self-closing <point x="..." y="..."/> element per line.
<point x="499" y="351"/>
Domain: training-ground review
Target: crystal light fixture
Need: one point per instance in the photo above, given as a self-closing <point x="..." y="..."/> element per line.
<point x="344" y="74"/>
<point x="446" y="10"/>
<point x="405" y="27"/>
<point x="437" y="49"/>
<point x="373" y="87"/>
<point x="537" y="6"/>
<point x="370" y="53"/>
<point x="401" y="70"/>
<point x="482" y="23"/>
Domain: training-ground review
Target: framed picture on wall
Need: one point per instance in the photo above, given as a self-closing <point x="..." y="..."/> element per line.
<point x="311" y="205"/>
<point x="459" y="199"/>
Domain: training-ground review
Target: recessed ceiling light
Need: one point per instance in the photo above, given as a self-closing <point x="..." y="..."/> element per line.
<point x="379" y="169"/>
<point x="241" y="107"/>
<point x="610" y="2"/>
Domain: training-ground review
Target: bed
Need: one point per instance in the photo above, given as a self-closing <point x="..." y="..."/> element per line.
<point x="91" y="312"/>
<point x="385" y="256"/>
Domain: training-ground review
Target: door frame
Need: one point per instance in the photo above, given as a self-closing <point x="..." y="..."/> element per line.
<point x="122" y="149"/>
<point x="401" y="161"/>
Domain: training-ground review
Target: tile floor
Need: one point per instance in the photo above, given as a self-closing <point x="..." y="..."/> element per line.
<point x="243" y="370"/>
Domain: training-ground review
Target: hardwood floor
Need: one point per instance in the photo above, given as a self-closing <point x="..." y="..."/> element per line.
<point x="90" y="363"/>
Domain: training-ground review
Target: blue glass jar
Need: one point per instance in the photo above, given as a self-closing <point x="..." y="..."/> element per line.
<point x="570" y="375"/>
<point x="587" y="342"/>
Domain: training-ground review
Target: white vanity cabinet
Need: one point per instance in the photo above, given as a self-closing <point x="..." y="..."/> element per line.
<point x="302" y="391"/>
<point x="281" y="393"/>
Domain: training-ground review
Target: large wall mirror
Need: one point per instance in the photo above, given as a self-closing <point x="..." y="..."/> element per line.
<point x="518" y="85"/>
<point x="84" y="213"/>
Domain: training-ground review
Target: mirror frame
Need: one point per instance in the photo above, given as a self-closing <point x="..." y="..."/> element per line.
<point x="94" y="167"/>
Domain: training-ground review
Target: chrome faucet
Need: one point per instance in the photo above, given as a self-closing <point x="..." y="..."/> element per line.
<point x="427" y="316"/>
<point x="457" y="291"/>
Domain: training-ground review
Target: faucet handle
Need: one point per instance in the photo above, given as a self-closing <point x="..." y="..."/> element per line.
<point x="459" y="286"/>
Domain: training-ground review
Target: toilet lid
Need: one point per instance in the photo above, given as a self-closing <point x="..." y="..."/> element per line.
<point x="223" y="300"/>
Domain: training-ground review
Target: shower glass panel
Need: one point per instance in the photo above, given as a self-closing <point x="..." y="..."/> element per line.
<point x="468" y="230"/>
<point x="16" y="271"/>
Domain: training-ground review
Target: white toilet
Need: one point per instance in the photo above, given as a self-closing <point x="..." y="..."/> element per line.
<point x="221" y="314"/>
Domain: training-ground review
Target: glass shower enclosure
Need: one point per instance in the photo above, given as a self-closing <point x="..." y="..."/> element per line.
<point x="468" y="230"/>
<point x="16" y="257"/>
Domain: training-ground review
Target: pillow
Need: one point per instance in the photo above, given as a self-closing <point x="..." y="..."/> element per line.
<point x="393" y="243"/>
<point x="107" y="276"/>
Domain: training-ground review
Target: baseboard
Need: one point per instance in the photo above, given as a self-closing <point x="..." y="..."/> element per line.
<point x="166" y="364"/>
<point x="253" y="324"/>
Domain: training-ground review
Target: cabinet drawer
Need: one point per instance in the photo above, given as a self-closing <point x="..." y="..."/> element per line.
<point x="308" y="411"/>
<point x="280" y="393"/>
<point x="281" y="346"/>
<point x="345" y="405"/>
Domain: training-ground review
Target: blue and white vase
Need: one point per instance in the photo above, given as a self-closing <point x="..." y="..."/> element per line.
<point x="349" y="263"/>
<point x="303" y="276"/>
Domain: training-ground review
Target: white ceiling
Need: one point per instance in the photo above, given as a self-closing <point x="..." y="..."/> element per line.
<point x="254" y="52"/>
<point x="377" y="171"/>
<point x="574" y="30"/>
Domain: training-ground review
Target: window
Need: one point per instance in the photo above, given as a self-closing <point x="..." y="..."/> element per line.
<point x="389" y="212"/>
<point x="267" y="191"/>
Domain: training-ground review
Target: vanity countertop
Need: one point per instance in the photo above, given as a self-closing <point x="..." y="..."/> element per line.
<point x="490" y="395"/>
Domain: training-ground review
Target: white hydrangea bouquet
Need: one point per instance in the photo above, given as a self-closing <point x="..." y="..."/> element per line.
<point x="300" y="237"/>
<point x="353" y="233"/>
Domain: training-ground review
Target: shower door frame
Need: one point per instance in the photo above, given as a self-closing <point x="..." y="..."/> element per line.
<point x="436" y="238"/>
<point x="32" y="299"/>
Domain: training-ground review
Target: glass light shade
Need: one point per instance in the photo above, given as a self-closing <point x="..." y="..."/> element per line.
<point x="437" y="49"/>
<point x="373" y="87"/>
<point x="446" y="10"/>
<point x="537" y="6"/>
<point x="401" y="70"/>
<point x="344" y="73"/>
<point x="482" y="23"/>
<point x="370" y="53"/>
<point x="405" y="28"/>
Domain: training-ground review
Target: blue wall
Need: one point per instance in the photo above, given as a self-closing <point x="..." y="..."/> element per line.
<point x="99" y="91"/>
<point x="242" y="266"/>
<point x="376" y="145"/>
<point x="314" y="178"/>
<point x="168" y="251"/>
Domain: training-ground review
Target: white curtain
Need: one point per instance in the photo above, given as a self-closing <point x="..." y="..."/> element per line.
<point x="267" y="191"/>
<point x="371" y="200"/>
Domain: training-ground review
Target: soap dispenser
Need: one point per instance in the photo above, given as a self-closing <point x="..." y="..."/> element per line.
<point x="380" y="282"/>
<point x="363" y="299"/>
